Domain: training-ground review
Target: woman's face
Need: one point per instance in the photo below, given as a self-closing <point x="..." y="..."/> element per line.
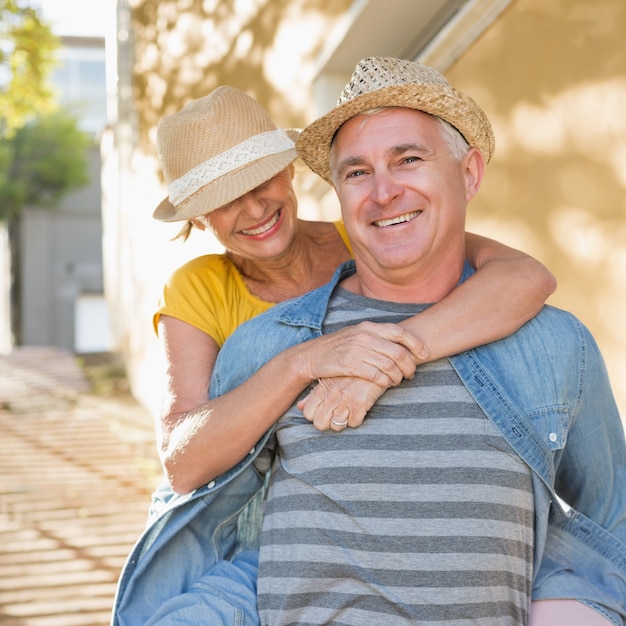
<point x="260" y="224"/>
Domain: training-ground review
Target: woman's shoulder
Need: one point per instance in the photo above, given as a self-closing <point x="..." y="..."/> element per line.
<point x="328" y="233"/>
<point x="343" y="233"/>
<point x="207" y="266"/>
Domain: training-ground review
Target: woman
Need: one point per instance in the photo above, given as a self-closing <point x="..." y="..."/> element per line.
<point x="229" y="169"/>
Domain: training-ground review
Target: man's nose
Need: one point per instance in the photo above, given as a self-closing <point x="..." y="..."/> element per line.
<point x="385" y="187"/>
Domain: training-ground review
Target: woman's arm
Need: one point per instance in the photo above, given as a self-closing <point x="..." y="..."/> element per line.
<point x="198" y="439"/>
<point x="564" y="612"/>
<point x="508" y="289"/>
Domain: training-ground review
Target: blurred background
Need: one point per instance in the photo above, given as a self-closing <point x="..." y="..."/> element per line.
<point x="81" y="269"/>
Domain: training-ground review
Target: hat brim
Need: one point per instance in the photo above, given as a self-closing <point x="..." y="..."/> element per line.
<point x="455" y="107"/>
<point x="228" y="187"/>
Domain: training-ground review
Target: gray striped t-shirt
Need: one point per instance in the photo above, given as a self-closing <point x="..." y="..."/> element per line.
<point x="423" y="515"/>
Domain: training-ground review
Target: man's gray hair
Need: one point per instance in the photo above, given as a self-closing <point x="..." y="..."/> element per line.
<point x="455" y="140"/>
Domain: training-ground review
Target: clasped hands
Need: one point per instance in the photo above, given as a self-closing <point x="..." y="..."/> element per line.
<point x="366" y="359"/>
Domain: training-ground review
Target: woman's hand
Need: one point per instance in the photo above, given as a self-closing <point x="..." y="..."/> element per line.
<point x="354" y="366"/>
<point x="381" y="353"/>
<point x="338" y="403"/>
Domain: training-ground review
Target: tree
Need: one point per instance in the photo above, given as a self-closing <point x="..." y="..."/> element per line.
<point x="27" y="57"/>
<point x="41" y="162"/>
<point x="42" y="150"/>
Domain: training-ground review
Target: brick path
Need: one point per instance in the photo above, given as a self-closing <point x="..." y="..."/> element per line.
<point x="77" y="471"/>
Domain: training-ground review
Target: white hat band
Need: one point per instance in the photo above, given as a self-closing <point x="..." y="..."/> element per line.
<point x="248" y="151"/>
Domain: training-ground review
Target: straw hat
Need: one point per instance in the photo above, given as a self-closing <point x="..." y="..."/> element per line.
<point x="388" y="82"/>
<point x="215" y="150"/>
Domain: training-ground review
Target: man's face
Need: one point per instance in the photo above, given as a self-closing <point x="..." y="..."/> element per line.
<point x="403" y="194"/>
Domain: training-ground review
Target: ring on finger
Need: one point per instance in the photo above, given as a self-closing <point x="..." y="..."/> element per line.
<point x="336" y="423"/>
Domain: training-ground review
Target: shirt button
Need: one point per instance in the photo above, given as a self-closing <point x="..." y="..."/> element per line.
<point x="552" y="437"/>
<point x="211" y="484"/>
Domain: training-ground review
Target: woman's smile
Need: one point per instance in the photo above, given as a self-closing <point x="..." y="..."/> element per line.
<point x="263" y="227"/>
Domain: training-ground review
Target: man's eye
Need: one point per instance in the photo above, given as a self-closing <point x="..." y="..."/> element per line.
<point x="411" y="159"/>
<point x="355" y="174"/>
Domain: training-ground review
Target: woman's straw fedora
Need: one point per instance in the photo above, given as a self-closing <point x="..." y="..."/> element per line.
<point x="215" y="150"/>
<point x="389" y="82"/>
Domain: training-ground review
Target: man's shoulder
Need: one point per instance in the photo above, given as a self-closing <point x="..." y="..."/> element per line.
<point x="552" y="318"/>
<point x="553" y="332"/>
<point x="256" y="342"/>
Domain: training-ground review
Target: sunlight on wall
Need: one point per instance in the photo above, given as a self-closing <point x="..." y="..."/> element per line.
<point x="585" y="240"/>
<point x="185" y="38"/>
<point x="515" y="232"/>
<point x="282" y="67"/>
<point x="565" y="171"/>
<point x="587" y="118"/>
<point x="154" y="256"/>
<point x="244" y="44"/>
<point x="597" y="250"/>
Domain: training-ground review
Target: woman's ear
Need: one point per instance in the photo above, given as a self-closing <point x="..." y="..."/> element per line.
<point x="197" y="223"/>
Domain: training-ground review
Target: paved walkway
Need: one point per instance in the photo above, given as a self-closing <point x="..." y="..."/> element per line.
<point x="77" y="471"/>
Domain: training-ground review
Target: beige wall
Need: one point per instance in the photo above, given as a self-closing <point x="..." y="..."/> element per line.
<point x="552" y="78"/>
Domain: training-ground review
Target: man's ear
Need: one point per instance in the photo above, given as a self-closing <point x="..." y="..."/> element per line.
<point x="474" y="169"/>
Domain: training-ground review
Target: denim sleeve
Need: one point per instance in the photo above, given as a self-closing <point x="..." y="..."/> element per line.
<point x="226" y="595"/>
<point x="591" y="468"/>
<point x="585" y="554"/>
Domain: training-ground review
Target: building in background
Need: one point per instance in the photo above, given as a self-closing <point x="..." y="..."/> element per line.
<point x="550" y="76"/>
<point x="60" y="271"/>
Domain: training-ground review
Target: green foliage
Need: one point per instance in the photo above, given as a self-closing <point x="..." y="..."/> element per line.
<point x="27" y="56"/>
<point x="42" y="151"/>
<point x="41" y="162"/>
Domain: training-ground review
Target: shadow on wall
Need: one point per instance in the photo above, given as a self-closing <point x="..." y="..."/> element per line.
<point x="185" y="50"/>
<point x="557" y="184"/>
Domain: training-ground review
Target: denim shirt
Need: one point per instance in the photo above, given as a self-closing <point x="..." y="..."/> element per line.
<point x="546" y="390"/>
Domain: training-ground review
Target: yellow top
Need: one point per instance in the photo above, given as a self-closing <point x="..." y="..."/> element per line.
<point x="209" y="293"/>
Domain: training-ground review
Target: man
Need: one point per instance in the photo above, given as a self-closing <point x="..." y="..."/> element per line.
<point x="442" y="506"/>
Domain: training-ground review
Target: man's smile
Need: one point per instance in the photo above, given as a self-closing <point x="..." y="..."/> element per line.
<point x="407" y="217"/>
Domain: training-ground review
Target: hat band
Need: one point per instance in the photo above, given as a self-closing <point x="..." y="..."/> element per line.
<point x="252" y="149"/>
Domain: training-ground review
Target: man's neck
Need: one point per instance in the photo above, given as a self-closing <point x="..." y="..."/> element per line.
<point x="404" y="286"/>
